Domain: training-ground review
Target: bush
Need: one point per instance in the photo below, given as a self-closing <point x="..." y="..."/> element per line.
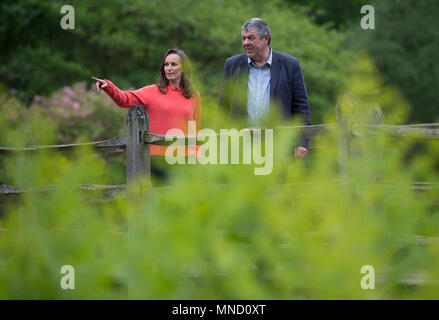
<point x="81" y="114"/>
<point x="70" y="115"/>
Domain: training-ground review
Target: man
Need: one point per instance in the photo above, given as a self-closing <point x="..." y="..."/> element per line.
<point x="253" y="82"/>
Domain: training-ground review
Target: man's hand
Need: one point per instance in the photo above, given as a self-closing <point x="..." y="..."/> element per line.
<point x="300" y="152"/>
<point x="100" y="84"/>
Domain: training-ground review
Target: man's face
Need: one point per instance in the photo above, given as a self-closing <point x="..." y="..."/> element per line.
<point x="253" y="45"/>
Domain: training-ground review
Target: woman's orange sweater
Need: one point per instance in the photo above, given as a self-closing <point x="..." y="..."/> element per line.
<point x="165" y="111"/>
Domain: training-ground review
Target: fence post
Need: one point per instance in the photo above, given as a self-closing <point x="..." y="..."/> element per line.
<point x="372" y="147"/>
<point x="138" y="177"/>
<point x="137" y="151"/>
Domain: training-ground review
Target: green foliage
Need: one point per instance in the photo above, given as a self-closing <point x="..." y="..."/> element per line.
<point x="220" y="232"/>
<point x="58" y="227"/>
<point x="125" y="40"/>
<point x="337" y="13"/>
<point x="404" y="45"/>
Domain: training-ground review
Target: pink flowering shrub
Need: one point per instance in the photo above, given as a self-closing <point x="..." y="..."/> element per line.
<point x="70" y="115"/>
<point x="80" y="114"/>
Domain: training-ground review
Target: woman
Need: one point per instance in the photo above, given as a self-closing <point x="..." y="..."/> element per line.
<point x="170" y="103"/>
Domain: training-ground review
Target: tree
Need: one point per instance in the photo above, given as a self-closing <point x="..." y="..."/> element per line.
<point x="404" y="46"/>
<point x="125" y="40"/>
<point x="338" y="13"/>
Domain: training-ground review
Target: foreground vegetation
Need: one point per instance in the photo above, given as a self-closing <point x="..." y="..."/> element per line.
<point x="220" y="232"/>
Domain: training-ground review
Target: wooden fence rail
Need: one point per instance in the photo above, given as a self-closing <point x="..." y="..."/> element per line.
<point x="136" y="145"/>
<point x="117" y="144"/>
<point x="136" y="142"/>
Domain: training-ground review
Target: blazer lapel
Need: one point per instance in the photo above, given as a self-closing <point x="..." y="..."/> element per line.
<point x="243" y="66"/>
<point x="275" y="73"/>
<point x="244" y="77"/>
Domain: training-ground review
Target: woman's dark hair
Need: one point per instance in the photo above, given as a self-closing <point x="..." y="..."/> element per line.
<point x="186" y="80"/>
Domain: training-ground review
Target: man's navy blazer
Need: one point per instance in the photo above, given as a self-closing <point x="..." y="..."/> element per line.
<point x="287" y="87"/>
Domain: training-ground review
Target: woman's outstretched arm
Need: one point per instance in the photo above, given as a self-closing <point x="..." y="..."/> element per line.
<point x="123" y="99"/>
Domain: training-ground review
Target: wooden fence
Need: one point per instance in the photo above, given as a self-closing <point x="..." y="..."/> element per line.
<point x="136" y="145"/>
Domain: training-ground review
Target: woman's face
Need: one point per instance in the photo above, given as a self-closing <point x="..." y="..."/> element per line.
<point x="173" y="68"/>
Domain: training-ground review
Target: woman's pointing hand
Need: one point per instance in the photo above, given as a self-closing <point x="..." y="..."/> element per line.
<point x="100" y="84"/>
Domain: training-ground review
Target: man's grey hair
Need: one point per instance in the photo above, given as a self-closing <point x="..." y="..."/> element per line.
<point x="260" y="25"/>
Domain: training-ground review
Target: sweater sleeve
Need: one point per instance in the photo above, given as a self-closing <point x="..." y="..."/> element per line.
<point x="124" y="99"/>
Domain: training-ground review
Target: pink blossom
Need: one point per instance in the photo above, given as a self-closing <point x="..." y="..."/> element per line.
<point x="66" y="100"/>
<point x="69" y="91"/>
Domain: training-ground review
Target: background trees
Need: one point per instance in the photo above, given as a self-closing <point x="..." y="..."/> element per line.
<point x="404" y="46"/>
<point x="124" y="41"/>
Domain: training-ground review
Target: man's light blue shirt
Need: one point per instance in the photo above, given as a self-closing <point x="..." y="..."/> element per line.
<point x="258" y="93"/>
